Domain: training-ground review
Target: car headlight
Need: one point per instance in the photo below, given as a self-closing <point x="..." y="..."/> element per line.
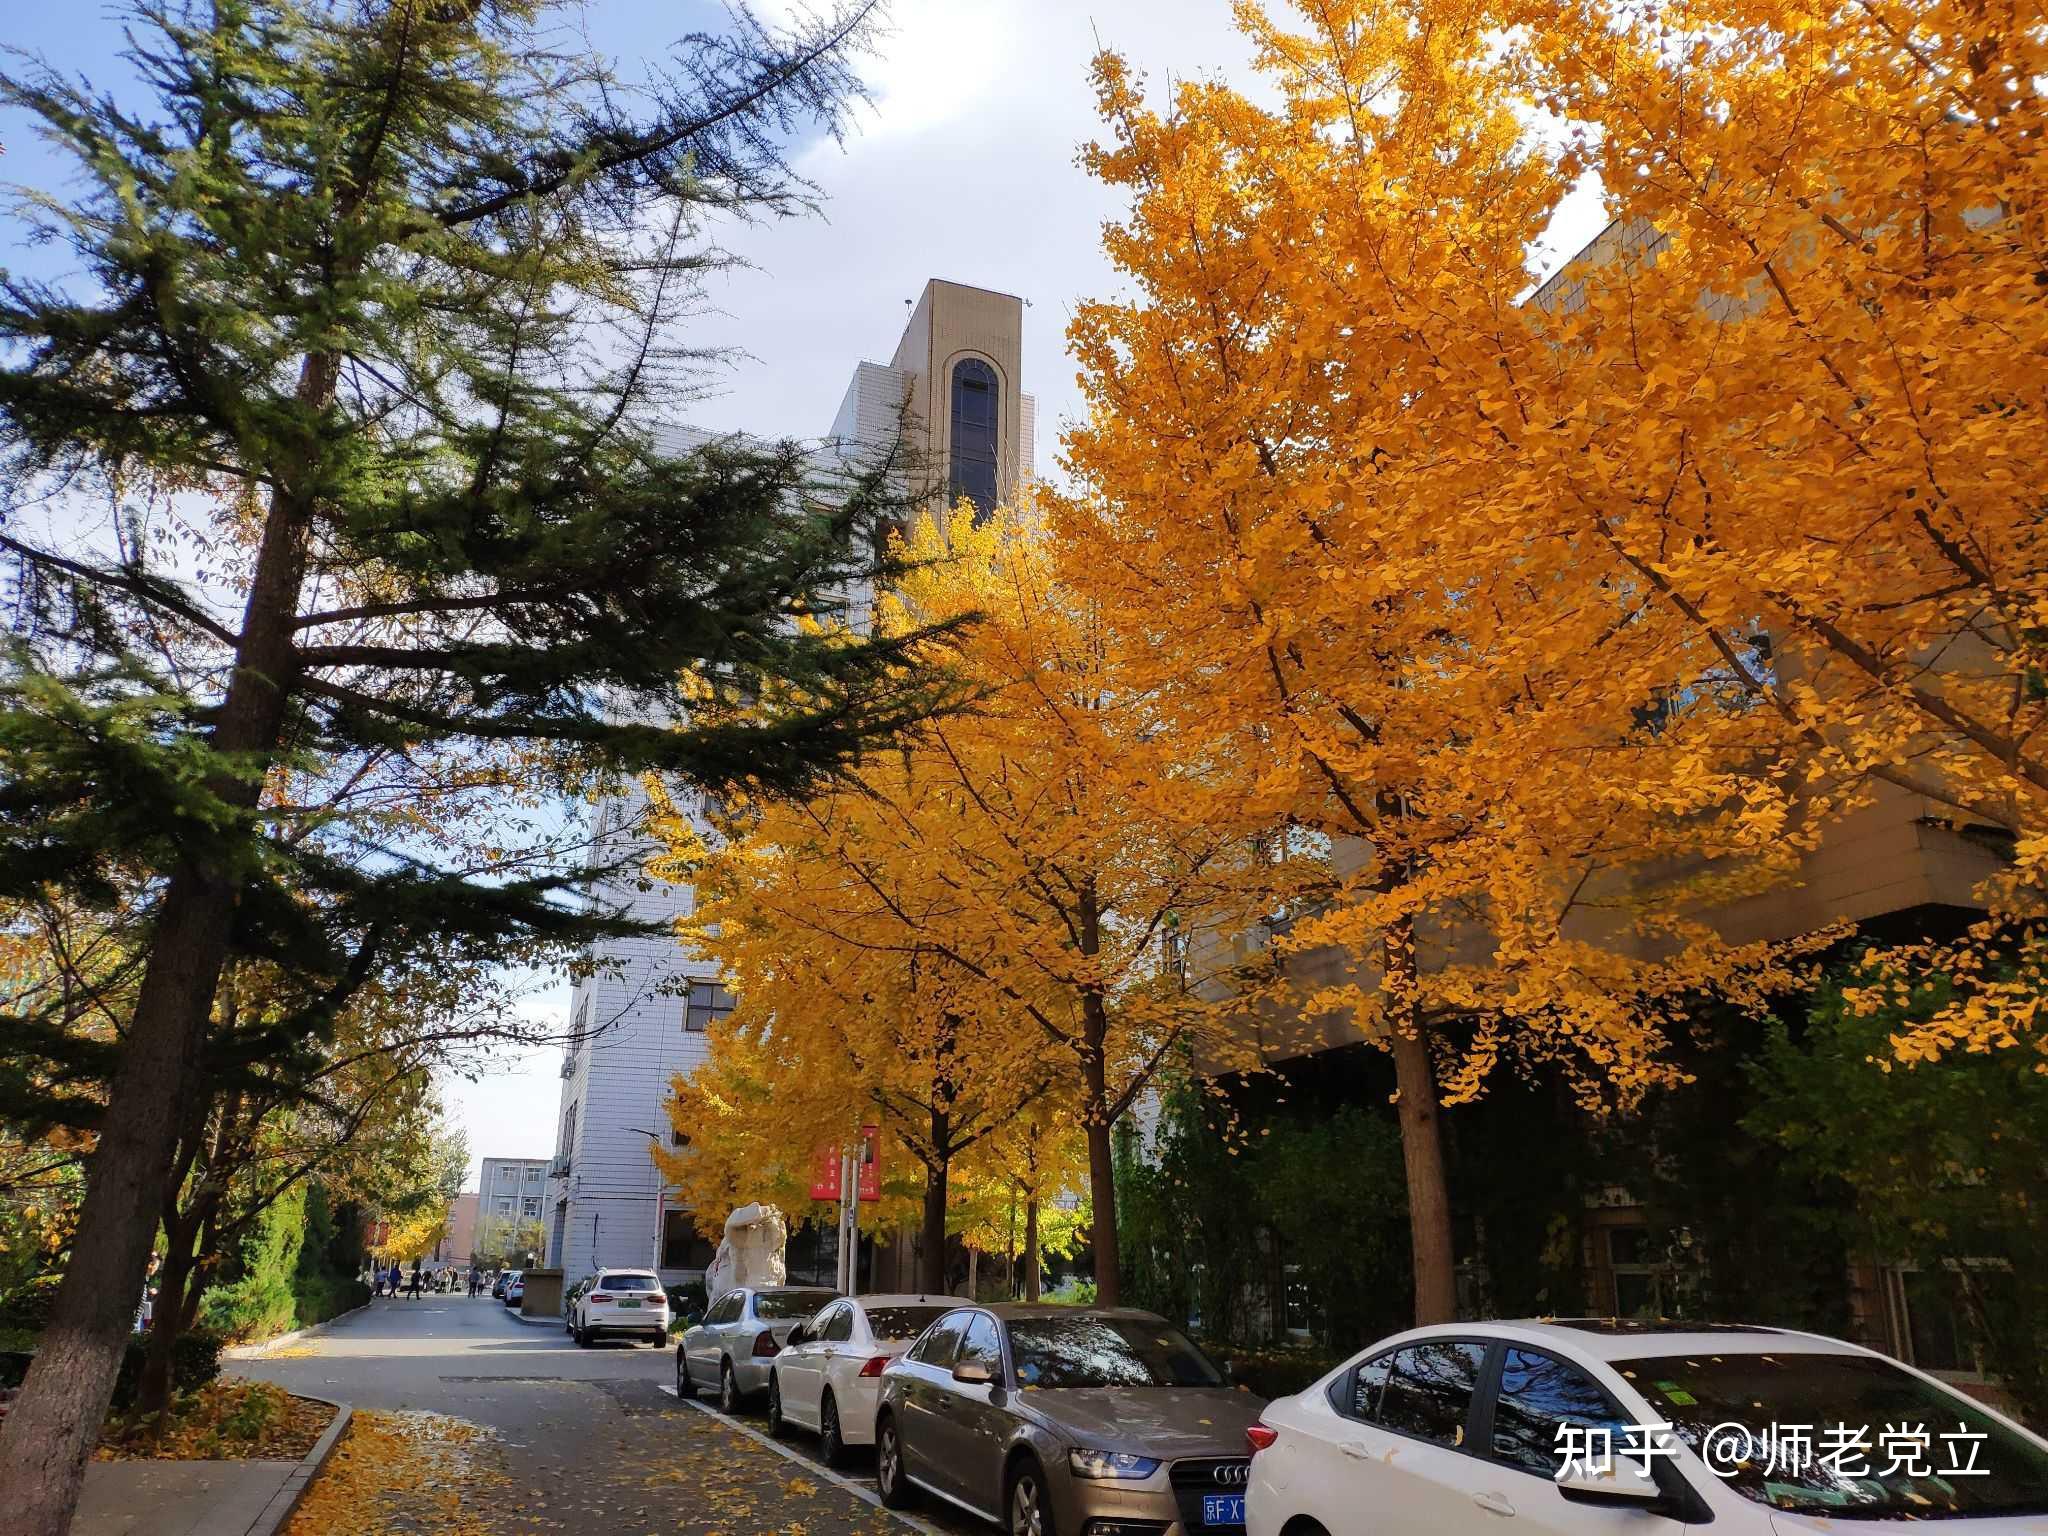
<point x="1101" y="1465"/>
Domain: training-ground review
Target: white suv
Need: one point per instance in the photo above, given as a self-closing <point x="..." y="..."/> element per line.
<point x="624" y="1301"/>
<point x="1621" y="1428"/>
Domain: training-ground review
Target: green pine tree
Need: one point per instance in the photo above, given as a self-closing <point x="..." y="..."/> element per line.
<point x="379" y="299"/>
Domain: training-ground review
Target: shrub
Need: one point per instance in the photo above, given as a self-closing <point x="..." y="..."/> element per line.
<point x="28" y="1307"/>
<point x="195" y="1363"/>
<point x="1274" y="1372"/>
<point x="260" y="1300"/>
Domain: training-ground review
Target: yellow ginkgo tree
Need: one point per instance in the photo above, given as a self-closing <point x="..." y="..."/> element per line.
<point x="1509" y="799"/>
<point x="1003" y="908"/>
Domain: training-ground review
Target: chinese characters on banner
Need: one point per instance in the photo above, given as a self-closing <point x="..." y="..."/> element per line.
<point x="825" y="1173"/>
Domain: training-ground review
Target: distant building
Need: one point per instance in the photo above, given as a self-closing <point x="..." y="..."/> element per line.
<point x="952" y="387"/>
<point x="459" y="1238"/>
<point x="512" y="1191"/>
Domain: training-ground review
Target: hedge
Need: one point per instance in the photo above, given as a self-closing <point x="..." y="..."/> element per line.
<point x="194" y="1362"/>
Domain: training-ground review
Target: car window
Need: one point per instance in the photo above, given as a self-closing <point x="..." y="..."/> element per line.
<point x="627" y="1281"/>
<point x="839" y="1325"/>
<point x="938" y="1346"/>
<point x="726" y="1308"/>
<point x="1875" y="1442"/>
<point x="892" y="1323"/>
<point x="1357" y="1396"/>
<point x="1093" y="1350"/>
<point x="780" y="1306"/>
<point x="1429" y="1389"/>
<point x="982" y="1345"/>
<point x="1540" y="1396"/>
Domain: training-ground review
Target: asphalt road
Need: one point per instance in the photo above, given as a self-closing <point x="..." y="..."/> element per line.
<point x="584" y="1440"/>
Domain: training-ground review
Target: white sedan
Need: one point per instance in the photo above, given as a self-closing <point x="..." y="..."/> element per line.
<point x="621" y="1301"/>
<point x="1622" y="1428"/>
<point x="828" y="1378"/>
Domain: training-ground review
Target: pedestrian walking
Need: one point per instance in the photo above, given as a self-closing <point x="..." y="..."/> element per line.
<point x="413" y="1294"/>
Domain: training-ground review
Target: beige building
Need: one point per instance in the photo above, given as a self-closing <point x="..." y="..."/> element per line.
<point x="952" y="395"/>
<point x="460" y="1236"/>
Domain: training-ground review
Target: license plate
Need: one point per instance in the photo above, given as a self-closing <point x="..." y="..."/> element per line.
<point x="1223" y="1509"/>
<point x="629" y="1303"/>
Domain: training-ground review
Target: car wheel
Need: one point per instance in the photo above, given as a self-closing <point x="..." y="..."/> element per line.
<point x="1030" y="1512"/>
<point x="890" y="1480"/>
<point x="728" y="1389"/>
<point x="686" y="1389"/>
<point x="583" y="1338"/>
<point x="832" y="1444"/>
<point x="775" y="1421"/>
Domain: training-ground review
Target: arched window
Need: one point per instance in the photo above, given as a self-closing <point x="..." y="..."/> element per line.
<point x="974" y="435"/>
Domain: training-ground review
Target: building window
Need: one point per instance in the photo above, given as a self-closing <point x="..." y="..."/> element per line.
<point x="505" y="1206"/>
<point x="1637" y="1292"/>
<point x="529" y="1208"/>
<point x="682" y="1247"/>
<point x="975" y="393"/>
<point x="707" y="1002"/>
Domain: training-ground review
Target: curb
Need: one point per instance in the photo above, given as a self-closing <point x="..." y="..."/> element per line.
<point x="286" y="1499"/>
<point x="258" y="1351"/>
<point x="556" y="1321"/>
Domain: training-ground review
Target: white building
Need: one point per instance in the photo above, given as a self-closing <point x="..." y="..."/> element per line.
<point x="511" y="1192"/>
<point x="639" y="1019"/>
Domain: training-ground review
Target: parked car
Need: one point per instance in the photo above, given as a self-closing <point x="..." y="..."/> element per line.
<point x="627" y="1302"/>
<point x="515" y="1288"/>
<point x="1065" y="1419"/>
<point x="498" y="1285"/>
<point x="828" y="1378"/>
<point x="736" y="1344"/>
<point x="569" y="1298"/>
<point x="1443" y="1431"/>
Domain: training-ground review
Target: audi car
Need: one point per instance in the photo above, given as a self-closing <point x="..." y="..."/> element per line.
<point x="1066" y="1419"/>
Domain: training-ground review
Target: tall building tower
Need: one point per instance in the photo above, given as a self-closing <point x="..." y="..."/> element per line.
<point x="953" y="389"/>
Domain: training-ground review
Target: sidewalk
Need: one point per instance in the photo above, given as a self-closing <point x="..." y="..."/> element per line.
<point x="180" y="1498"/>
<point x="199" y="1498"/>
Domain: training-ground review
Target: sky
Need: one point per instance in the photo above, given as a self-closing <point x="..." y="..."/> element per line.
<point x="965" y="169"/>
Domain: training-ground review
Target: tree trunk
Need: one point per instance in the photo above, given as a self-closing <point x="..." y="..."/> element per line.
<point x="153" y="1394"/>
<point x="933" y="1240"/>
<point x="1422" y="1155"/>
<point x="1102" y="1194"/>
<point x="1095" y="1113"/>
<point x="1032" y="1277"/>
<point x="48" y="1436"/>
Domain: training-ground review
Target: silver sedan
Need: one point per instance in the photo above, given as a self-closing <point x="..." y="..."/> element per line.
<point x="736" y="1344"/>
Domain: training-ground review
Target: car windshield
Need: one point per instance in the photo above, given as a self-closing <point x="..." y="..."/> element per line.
<point x="1095" y="1351"/>
<point x="897" y="1323"/>
<point x="629" y="1283"/>
<point x="780" y="1306"/>
<point x="1850" y="1437"/>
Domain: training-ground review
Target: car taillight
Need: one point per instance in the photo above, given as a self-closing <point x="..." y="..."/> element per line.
<point x="1260" y="1437"/>
<point x="874" y="1366"/>
<point x="600" y="1296"/>
<point x="765" y="1345"/>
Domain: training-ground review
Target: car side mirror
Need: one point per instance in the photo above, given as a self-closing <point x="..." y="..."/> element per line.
<point x="1617" y="1484"/>
<point x="972" y="1373"/>
<point x="796" y="1336"/>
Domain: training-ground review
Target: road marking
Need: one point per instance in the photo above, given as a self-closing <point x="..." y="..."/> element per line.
<point x="865" y="1494"/>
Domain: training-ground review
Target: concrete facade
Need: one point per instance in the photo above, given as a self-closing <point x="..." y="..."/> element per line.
<point x="460" y="1237"/>
<point x="637" y="1021"/>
